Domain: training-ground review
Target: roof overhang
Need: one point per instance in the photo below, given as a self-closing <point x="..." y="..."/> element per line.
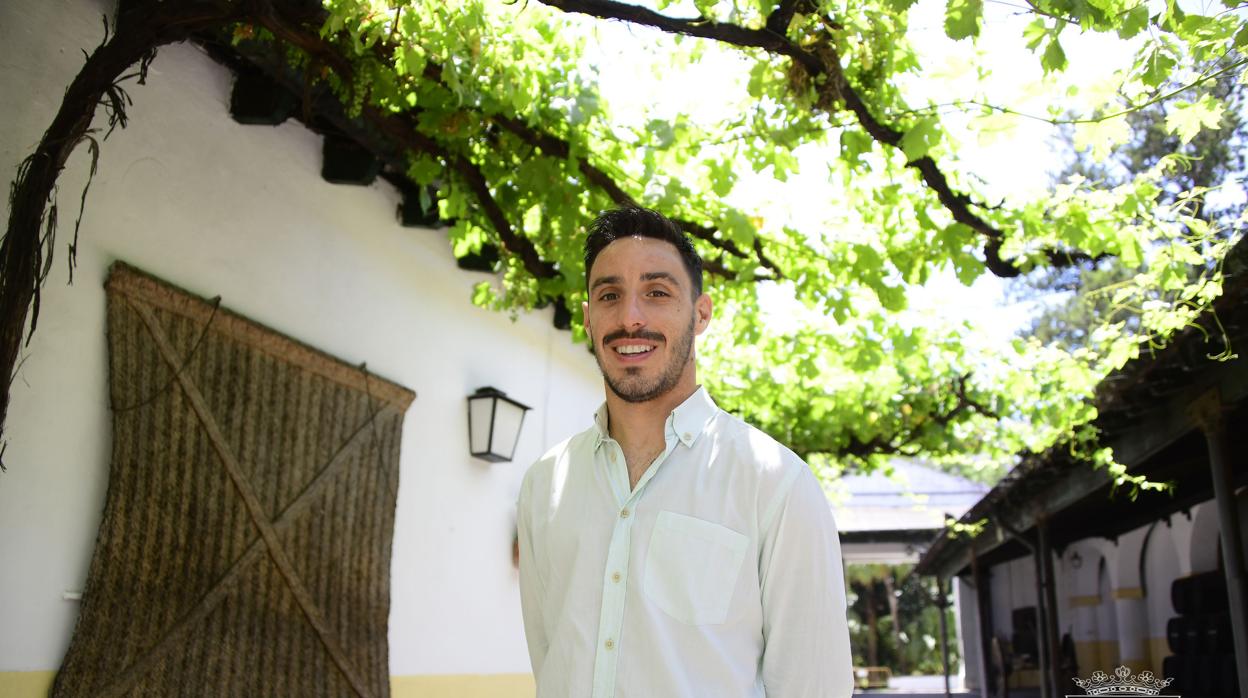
<point x="887" y="547"/>
<point x="1146" y="417"/>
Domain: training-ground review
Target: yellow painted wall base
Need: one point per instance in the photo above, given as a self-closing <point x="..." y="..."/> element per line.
<point x="1103" y="655"/>
<point x="26" y="684"/>
<point x="1024" y="678"/>
<point x="1158" y="650"/>
<point x="1088" y="656"/>
<point x="463" y="686"/>
<point x="35" y="684"/>
<point x="1107" y="655"/>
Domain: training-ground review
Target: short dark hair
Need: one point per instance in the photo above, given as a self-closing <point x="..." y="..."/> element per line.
<point x="628" y="221"/>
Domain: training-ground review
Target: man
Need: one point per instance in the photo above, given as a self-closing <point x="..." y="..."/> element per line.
<point x="672" y="550"/>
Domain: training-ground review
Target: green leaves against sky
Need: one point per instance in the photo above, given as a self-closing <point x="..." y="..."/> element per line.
<point x="526" y="144"/>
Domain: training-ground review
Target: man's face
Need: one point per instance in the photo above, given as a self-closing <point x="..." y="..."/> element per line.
<point x="642" y="318"/>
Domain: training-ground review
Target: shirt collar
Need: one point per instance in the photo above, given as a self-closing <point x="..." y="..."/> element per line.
<point x="686" y="422"/>
<point x="600" y="425"/>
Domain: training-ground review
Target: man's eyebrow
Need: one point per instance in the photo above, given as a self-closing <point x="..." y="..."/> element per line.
<point x="646" y="276"/>
<point x="656" y="275"/>
<point x="603" y="280"/>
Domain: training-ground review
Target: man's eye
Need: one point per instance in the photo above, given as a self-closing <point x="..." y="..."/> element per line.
<point x="659" y="292"/>
<point x="609" y="296"/>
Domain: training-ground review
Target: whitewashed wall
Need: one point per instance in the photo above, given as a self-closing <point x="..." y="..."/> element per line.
<point x="967" y="612"/>
<point x="1118" y="610"/>
<point x="1161" y="567"/>
<point x="1106" y="613"/>
<point x="241" y="211"/>
<point x="1013" y="586"/>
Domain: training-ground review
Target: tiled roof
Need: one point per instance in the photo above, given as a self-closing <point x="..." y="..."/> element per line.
<point x="913" y="495"/>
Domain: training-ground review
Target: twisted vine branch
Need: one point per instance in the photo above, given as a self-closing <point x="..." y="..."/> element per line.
<point x="903" y="442"/>
<point x="824" y="63"/>
<point x="303" y="33"/>
<point x="26" y="252"/>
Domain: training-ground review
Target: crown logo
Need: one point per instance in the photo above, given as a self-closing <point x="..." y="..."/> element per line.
<point x="1122" y="683"/>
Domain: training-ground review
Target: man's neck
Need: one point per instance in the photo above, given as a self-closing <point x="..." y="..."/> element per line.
<point x="638" y="426"/>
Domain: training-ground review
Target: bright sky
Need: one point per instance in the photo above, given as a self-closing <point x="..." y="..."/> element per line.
<point x="1016" y="161"/>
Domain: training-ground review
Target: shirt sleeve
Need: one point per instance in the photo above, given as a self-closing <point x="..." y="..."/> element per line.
<point x="805" y="632"/>
<point x="530" y="580"/>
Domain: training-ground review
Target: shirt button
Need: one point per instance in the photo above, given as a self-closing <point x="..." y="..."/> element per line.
<point x="688" y="436"/>
<point x="611" y="456"/>
<point x="616" y="577"/>
<point x="624" y="513"/>
<point x="609" y="644"/>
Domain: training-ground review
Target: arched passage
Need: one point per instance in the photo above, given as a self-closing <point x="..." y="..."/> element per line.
<point x="1084" y="561"/>
<point x="1159" y="567"/>
<point x="1106" y="619"/>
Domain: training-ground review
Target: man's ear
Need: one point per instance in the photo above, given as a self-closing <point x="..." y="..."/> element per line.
<point x="702" y="308"/>
<point x="585" y="320"/>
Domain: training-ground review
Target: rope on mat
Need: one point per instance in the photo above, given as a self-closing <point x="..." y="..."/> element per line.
<point x="186" y="361"/>
<point x="252" y="502"/>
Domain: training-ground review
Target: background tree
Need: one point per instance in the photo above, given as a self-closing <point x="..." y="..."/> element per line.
<point x="1209" y="182"/>
<point x="893" y="621"/>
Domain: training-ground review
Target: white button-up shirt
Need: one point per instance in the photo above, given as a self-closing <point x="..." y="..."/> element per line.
<point x="718" y="575"/>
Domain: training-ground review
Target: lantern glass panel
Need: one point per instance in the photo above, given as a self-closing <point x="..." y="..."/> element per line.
<point x="480" y="414"/>
<point x="507" y="420"/>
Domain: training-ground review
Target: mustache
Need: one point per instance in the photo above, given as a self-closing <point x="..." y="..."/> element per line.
<point x="639" y="334"/>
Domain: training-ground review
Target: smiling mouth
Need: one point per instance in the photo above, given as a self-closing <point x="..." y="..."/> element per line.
<point x="633" y="349"/>
<point x="630" y="347"/>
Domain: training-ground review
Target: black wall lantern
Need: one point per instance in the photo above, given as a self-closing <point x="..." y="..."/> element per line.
<point x="494" y="425"/>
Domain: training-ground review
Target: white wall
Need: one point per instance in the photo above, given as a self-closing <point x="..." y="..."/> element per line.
<point x="241" y="211"/>
<point x="1013" y="586"/>
<point x="1161" y="568"/>
<point x="1081" y="620"/>
<point x="1205" y="540"/>
<point x="966" y="610"/>
<point x="1107" y="611"/>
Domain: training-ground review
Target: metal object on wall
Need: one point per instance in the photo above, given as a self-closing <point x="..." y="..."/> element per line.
<point x="494" y="422"/>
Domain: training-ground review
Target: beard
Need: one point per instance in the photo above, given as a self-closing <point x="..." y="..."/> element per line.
<point x="631" y="387"/>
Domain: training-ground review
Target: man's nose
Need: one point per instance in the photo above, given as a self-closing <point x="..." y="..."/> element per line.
<point x="634" y="315"/>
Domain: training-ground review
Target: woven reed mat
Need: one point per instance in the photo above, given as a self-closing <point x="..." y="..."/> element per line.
<point x="244" y="548"/>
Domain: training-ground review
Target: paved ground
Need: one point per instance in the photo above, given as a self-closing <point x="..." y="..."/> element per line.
<point x="920" y="687"/>
<point x="916" y="694"/>
<point x="882" y="692"/>
<point x="933" y="687"/>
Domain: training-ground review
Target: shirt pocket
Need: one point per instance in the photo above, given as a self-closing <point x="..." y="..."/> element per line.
<point x="692" y="568"/>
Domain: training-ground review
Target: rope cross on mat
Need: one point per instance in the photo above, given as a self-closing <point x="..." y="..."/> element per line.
<point x="269" y="470"/>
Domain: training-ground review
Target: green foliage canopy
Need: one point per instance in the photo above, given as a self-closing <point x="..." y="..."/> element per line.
<point x="500" y="106"/>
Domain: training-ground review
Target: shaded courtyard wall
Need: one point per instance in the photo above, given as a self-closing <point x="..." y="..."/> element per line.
<point x="1114" y="596"/>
